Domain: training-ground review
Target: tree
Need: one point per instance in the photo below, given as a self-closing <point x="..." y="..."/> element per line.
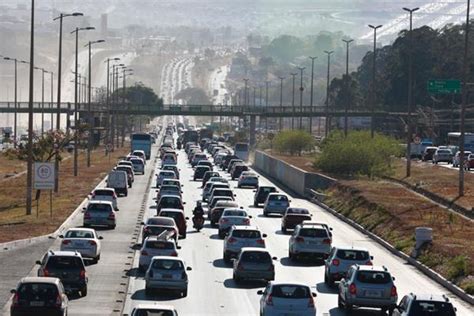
<point x="293" y="142"/>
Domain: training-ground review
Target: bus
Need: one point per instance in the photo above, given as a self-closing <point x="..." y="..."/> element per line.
<point x="241" y="150"/>
<point x="454" y="141"/>
<point x="142" y="141"/>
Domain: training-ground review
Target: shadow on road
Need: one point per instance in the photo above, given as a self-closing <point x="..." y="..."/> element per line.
<point x="162" y="295"/>
<point x="286" y="261"/>
<point x="220" y="263"/>
<point x="324" y="288"/>
<point x="231" y="284"/>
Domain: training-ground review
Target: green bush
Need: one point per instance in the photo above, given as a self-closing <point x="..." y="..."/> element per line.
<point x="293" y="142"/>
<point x="458" y="267"/>
<point x="357" y="154"/>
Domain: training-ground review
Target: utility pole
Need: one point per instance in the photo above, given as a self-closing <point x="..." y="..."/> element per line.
<point x="328" y="121"/>
<point x="311" y="97"/>
<point x="52" y="99"/>
<point x="29" y="168"/>
<point x="293" y="74"/>
<point x="301" y="69"/>
<point x="42" y="97"/>
<point x="348" y="101"/>
<point x="281" y="101"/>
<point x="267" y="83"/>
<point x="373" y="90"/>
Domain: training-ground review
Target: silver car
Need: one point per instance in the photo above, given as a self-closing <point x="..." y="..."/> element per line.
<point x="150" y="309"/>
<point x="163" y="175"/>
<point x="253" y="264"/>
<point x="231" y="217"/>
<point x="105" y="194"/>
<point x="240" y="237"/>
<point x="368" y="286"/>
<point x="276" y="203"/>
<point x="310" y="240"/>
<point x="442" y="155"/>
<point x="99" y="213"/>
<point x="156" y="246"/>
<point x="341" y="259"/>
<point x="167" y="273"/>
<point x="206" y="192"/>
<point x="289" y="299"/>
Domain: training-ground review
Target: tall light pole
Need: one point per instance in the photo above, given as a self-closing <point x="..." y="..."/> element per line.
<point x="52" y="100"/>
<point x="328" y="121"/>
<point x="293" y="74"/>
<point x="281" y="101"/>
<point x="129" y="72"/>
<point x="267" y="83"/>
<point x="89" y="112"/>
<point x="373" y="91"/>
<point x="348" y="101"/>
<point x="311" y="97"/>
<point x="301" y="69"/>
<point x="76" y="120"/>
<point x="29" y="168"/>
<point x="58" y="114"/>
<point x="43" y="71"/>
<point x="115" y="118"/>
<point x="107" y="99"/>
<point x="464" y="100"/>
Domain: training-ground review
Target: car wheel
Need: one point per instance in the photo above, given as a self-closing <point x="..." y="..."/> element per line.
<point x="126" y="193"/>
<point x="283" y="229"/>
<point x="184" y="235"/>
<point x="221" y="235"/>
<point x="339" y="302"/>
<point x="185" y="293"/>
<point x="265" y="214"/>
<point x="226" y="258"/>
<point x="84" y="291"/>
<point x="255" y="204"/>
<point x="148" y="291"/>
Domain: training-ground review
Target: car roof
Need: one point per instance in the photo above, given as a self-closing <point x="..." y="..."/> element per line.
<point x="291" y="283"/>
<point x="372" y="268"/>
<point x="107" y="189"/>
<point x="154" y="306"/>
<point x="430" y="297"/>
<point x="254" y="249"/>
<point x="45" y="280"/>
<point x="346" y="247"/>
<point x="171" y="210"/>
<point x="167" y="258"/>
<point x="157" y="238"/>
<point x="81" y="229"/>
<point x="243" y="227"/>
<point x="64" y="253"/>
<point x="99" y="202"/>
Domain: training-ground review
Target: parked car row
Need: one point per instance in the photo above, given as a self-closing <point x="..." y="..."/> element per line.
<point x="445" y="154"/>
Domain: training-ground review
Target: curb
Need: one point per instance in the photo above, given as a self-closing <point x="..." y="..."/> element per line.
<point x="427" y="271"/>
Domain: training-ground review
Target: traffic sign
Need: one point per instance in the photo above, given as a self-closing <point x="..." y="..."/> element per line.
<point x="44" y="176"/>
<point x="449" y="86"/>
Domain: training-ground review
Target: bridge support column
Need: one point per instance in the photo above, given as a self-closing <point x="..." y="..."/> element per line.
<point x="252" y="128"/>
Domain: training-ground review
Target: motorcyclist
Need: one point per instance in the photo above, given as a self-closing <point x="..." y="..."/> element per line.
<point x="178" y="144"/>
<point x="198" y="210"/>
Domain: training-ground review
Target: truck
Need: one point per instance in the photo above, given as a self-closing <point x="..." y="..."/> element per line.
<point x="190" y="136"/>
<point x="205" y="133"/>
<point x="142" y="141"/>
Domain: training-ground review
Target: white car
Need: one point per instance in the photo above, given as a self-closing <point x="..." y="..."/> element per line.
<point x="156" y="246"/>
<point x="164" y="174"/>
<point x="310" y="240"/>
<point x="276" y="203"/>
<point x="240" y="237"/>
<point x="167" y="273"/>
<point x="138" y="165"/>
<point x="231" y="217"/>
<point x="149" y="309"/>
<point x="206" y="192"/>
<point x="287" y="299"/>
<point x="105" y="194"/>
<point x="140" y="154"/>
<point x="83" y="240"/>
<point x="248" y="180"/>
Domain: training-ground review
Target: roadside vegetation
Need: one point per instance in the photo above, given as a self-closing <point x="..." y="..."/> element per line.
<point x="293" y="142"/>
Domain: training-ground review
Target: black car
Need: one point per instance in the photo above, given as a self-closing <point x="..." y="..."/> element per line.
<point x="261" y="194"/>
<point x="237" y="170"/>
<point x="226" y="161"/>
<point x="200" y="171"/>
<point x="208" y="175"/>
<point x="428" y="153"/>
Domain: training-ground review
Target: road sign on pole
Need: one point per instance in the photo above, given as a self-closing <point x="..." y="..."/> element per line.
<point x="44" y="176"/>
<point x="449" y="86"/>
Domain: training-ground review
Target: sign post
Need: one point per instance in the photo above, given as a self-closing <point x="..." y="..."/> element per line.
<point x="449" y="86"/>
<point x="44" y="179"/>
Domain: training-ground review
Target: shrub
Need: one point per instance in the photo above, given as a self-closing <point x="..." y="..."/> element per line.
<point x="357" y="154"/>
<point x="293" y="142"/>
<point x="458" y="267"/>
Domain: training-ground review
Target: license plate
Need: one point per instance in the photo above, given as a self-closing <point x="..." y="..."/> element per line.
<point x="373" y="293"/>
<point x="36" y="303"/>
<point x="167" y="276"/>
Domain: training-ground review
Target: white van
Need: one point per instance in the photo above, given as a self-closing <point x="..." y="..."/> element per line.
<point x="118" y="181"/>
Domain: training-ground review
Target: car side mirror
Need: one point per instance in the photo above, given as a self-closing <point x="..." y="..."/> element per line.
<point x="187" y="218"/>
<point x="330" y="228"/>
<point x="38" y="262"/>
<point x="314" y="294"/>
<point x="260" y="292"/>
<point x="182" y="185"/>
<point x="250" y="216"/>
<point x="182" y="192"/>
<point x="241" y="207"/>
<point x="371" y="257"/>
<point x="184" y="203"/>
<point x="61" y="236"/>
<point x="83" y="208"/>
<point x="189" y="269"/>
<point x="393" y="278"/>
<point x="274" y="258"/>
<point x="100" y="237"/>
<point x="254" y="190"/>
<point x="178" y="247"/>
<point x="12" y="291"/>
<point x="264" y="235"/>
<point x="289" y="201"/>
<point x="235" y="195"/>
<point x="106" y="181"/>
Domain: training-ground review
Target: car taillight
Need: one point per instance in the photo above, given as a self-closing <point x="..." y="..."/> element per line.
<point x="114" y="196"/>
<point x="269" y="300"/>
<point x="299" y="239"/>
<point x="369" y="263"/>
<point x="174" y="254"/>
<point x="83" y="274"/>
<point x="393" y="292"/>
<point x="261" y="242"/>
<point x="144" y="253"/>
<point x="92" y="243"/>
<point x="352" y="289"/>
<point x="247" y="221"/>
<point x="327" y="241"/>
<point x="45" y="272"/>
<point x="231" y="240"/>
<point x="15" y="300"/>
<point x="66" y="242"/>
<point x="311" y="302"/>
<point x="111" y="215"/>
<point x="87" y="215"/>
<point x="335" y="262"/>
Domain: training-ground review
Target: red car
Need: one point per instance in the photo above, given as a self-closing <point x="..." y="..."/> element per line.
<point x="179" y="219"/>
<point x="470" y="162"/>
<point x="294" y="216"/>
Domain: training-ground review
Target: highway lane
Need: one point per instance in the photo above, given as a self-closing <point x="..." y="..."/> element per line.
<point x="212" y="290"/>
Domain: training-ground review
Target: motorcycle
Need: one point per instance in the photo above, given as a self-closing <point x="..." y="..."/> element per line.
<point x="198" y="222"/>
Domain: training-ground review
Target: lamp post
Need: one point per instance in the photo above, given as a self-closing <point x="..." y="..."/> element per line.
<point x="410" y="91"/>
<point x="76" y="123"/>
<point x="107" y="99"/>
<point x="267" y="83"/>
<point x="52" y="99"/>
<point x="327" y="123"/>
<point x="301" y="69"/>
<point x="29" y="168"/>
<point x="89" y="112"/>
<point x="129" y="72"/>
<point x="115" y="118"/>
<point x="293" y="74"/>
<point x="43" y="71"/>
<point x="281" y="101"/>
<point x="373" y="91"/>
<point x="311" y="97"/>
<point x="347" y="85"/>
<point x="58" y="114"/>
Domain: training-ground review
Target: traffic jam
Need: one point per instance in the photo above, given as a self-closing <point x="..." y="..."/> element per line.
<point x="350" y="271"/>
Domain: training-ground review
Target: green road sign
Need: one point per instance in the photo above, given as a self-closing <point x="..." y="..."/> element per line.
<point x="444" y="86"/>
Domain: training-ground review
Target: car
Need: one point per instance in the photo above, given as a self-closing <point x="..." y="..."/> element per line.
<point x="39" y="296"/>
<point x="149" y="309"/>
<point x="253" y="264"/>
<point x="219" y="157"/>
<point x="118" y="180"/>
<point x="197" y="158"/>
<point x="231" y="217"/>
<point x="226" y="160"/>
<point x="205" y="163"/>
<point x="169" y="201"/>
<point x="174" y="182"/>
<point x="164" y="174"/>
<point x="470" y="162"/>
<point x="215" y="213"/>
<point x="220" y="191"/>
<point x="218" y="179"/>
<point x="276" y="203"/>
<point x="140" y="154"/>
<point x="199" y="172"/>
<point x="155" y="225"/>
<point x="428" y="153"/>
<point x="83" y="240"/>
<point x="248" y="180"/>
<point x="309" y="240"/>
<point x="125" y="163"/>
<point x="237" y="170"/>
<point x="161" y="245"/>
<point x="167" y="273"/>
<point x="294" y="216"/>
<point x="212" y="203"/>
<point x="105" y="194"/>
<point x="287" y="299"/>
<point x="456" y="158"/>
<point x="442" y="155"/>
<point x="340" y="259"/>
<point x="68" y="266"/>
<point x="208" y="175"/>
<point x="138" y="165"/>
<point x="210" y="186"/>
<point x="232" y="163"/>
<point x="168" y="190"/>
<point x="129" y="171"/>
<point x="424" y="304"/>
<point x="240" y="237"/>
<point x="367" y="286"/>
<point x="99" y="213"/>
<point x="169" y="159"/>
<point x="261" y="194"/>
<point x="173" y="168"/>
<point x="179" y="219"/>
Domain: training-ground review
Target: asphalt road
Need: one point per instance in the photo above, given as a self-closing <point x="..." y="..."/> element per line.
<point x="211" y="288"/>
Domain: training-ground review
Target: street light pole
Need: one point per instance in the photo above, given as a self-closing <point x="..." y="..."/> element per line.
<point x="29" y="169"/>
<point x="311" y="97"/>
<point x="52" y="100"/>
<point x="267" y="83"/>
<point x="15" y="60"/>
<point x="373" y="91"/>
<point x="348" y="101"/>
<point x="410" y="92"/>
<point x="281" y="101"/>
<point x="301" y="69"/>
<point x="107" y="100"/>
<point x="42" y="98"/>
<point x="327" y="123"/>
<point x="293" y="74"/>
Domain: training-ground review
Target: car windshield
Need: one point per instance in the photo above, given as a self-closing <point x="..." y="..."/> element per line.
<point x="66" y="262"/>
<point x="256" y="257"/>
<point x="104" y="192"/>
<point x="171" y="182"/>
<point x="156" y="230"/>
<point x="222" y="193"/>
<point x="167" y="174"/>
<point x="278" y="198"/>
<point x="313" y="232"/>
<point x="170" y="203"/>
<point x="373" y="277"/>
<point x="174" y="215"/>
<point x="246" y="234"/>
<point x="444" y="151"/>
<point x="79" y="234"/>
<point x="297" y="211"/>
<point x="430" y="308"/>
<point x="169" y="188"/>
<point x="37" y="292"/>
<point x="123" y="168"/>
<point x="99" y="207"/>
<point x="159" y="221"/>
<point x="153" y="244"/>
<point x="234" y="213"/>
<point x="153" y="312"/>
<point x="164" y="264"/>
<point x="136" y="161"/>
<point x="267" y="190"/>
<point x="291" y="291"/>
<point x="356" y="255"/>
